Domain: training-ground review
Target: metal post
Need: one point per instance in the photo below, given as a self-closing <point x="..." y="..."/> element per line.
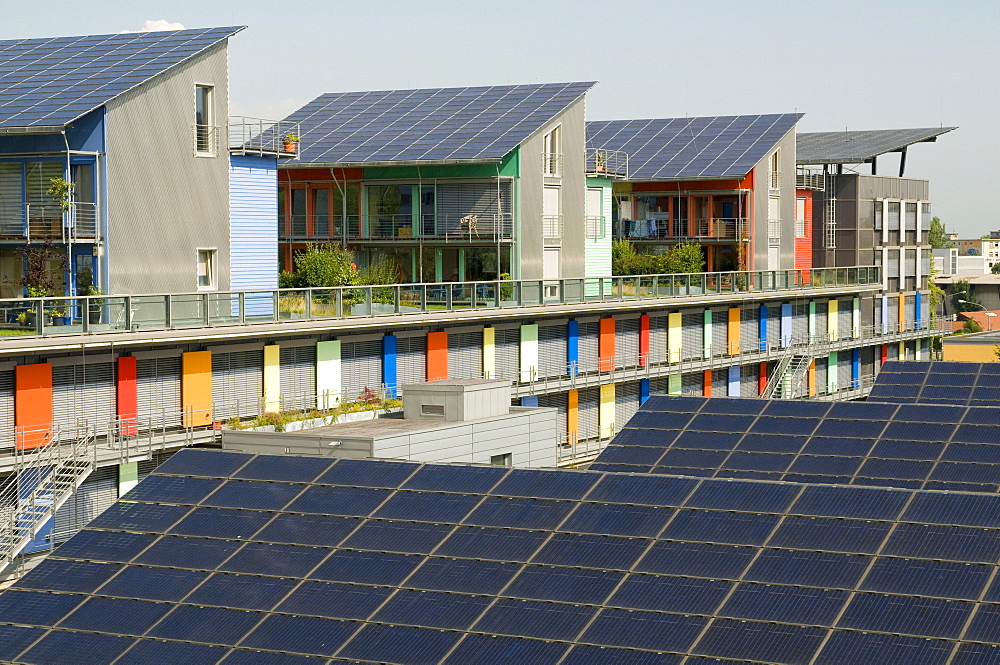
<point x="168" y="313"/>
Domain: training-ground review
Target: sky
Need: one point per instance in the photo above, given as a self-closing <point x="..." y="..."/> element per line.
<point x="876" y="64"/>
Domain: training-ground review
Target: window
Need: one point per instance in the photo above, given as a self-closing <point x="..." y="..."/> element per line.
<point x="877" y="215"/>
<point x="552" y="153"/>
<point x="206" y="269"/>
<point x="432" y="410"/>
<point x="800" y="218"/>
<point x="502" y="460"/>
<point x="775" y="180"/>
<point x="205" y="134"/>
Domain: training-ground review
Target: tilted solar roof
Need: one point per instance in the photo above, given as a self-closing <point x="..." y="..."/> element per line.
<point x="857" y="147"/>
<point x="972" y="384"/>
<point x="51" y="82"/>
<point x="231" y="558"/>
<point x="430" y="125"/>
<point x="852" y="443"/>
<point x="692" y="148"/>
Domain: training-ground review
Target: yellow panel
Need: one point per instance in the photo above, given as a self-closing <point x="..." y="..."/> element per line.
<point x="489" y="353"/>
<point x="674" y="337"/>
<point x="196" y="388"/>
<point x="902" y="311"/>
<point x="832" y="324"/>
<point x="968" y="352"/>
<point x="606" y="416"/>
<point x="272" y="378"/>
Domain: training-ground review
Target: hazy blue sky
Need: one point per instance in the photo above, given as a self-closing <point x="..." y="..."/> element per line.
<point x="860" y="65"/>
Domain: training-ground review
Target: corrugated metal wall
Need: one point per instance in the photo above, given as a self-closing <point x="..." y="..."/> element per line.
<point x="720" y="332"/>
<point x="657" y="338"/>
<point x="465" y="354"/>
<point x="83" y="395"/>
<point x="164" y="202"/>
<point x="361" y="367"/>
<point x="626" y="403"/>
<point x="6" y="409"/>
<point x="692" y="334"/>
<point x="411" y="359"/>
<point x="508" y="347"/>
<point x="749" y="381"/>
<point x="95" y="495"/>
<point x="588" y="407"/>
<point x="552" y="350"/>
<point x="253" y="222"/>
<point x="237" y="383"/>
<point x="589" y="335"/>
<point x="627" y="342"/>
<point x="749" y="328"/>
<point x="298" y="377"/>
<point x="159" y="391"/>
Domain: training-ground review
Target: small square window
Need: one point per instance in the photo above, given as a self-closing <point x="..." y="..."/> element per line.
<point x="206" y="269"/>
<point x="506" y="459"/>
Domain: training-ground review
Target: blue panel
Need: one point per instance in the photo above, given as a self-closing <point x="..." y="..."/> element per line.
<point x="78" y="576"/>
<point x="311" y="635"/>
<point x="573" y="347"/>
<point x="734" y="381"/>
<point x="918" y="309"/>
<point x="786" y="324"/>
<point x="389" y="364"/>
<point x="762" y="328"/>
<point x="86" y="648"/>
<point x="749" y="640"/>
<point x="643" y="390"/>
<point x="520" y="618"/>
<point x="214" y="625"/>
<point x="399" y="644"/>
<point x="644" y="630"/>
<point x="116" y="615"/>
<point x="485" y="649"/>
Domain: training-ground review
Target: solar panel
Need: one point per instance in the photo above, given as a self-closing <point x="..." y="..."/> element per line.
<point x="692" y="148"/>
<point x="856" y="147"/>
<point x="54" y="81"/>
<point x="912" y="446"/>
<point x="431" y="125"/>
<point x="702" y="569"/>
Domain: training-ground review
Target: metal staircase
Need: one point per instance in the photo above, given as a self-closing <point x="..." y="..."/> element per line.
<point x="44" y="478"/>
<point x="788" y="376"/>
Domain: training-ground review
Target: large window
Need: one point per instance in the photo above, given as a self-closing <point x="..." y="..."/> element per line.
<point x="390" y="211"/>
<point x="206" y="269"/>
<point x="552" y="153"/>
<point x="205" y="132"/>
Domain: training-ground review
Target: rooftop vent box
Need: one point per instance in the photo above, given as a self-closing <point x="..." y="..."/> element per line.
<point x="456" y="400"/>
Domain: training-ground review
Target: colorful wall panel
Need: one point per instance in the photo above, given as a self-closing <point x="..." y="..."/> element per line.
<point x="606" y="345"/>
<point x="643" y="390"/>
<point x="126" y="395"/>
<point x="489" y="353"/>
<point x="812" y="322"/>
<point x="573" y="415"/>
<point x="390" y="367"/>
<point x="918" y="300"/>
<point x="786" y="324"/>
<point x="437" y="356"/>
<point x="856" y="318"/>
<point x="196" y="388"/>
<point x="707" y="351"/>
<point x="529" y="352"/>
<point x="328" y="374"/>
<point x="32" y="404"/>
<point x="733" y="333"/>
<point x="573" y="347"/>
<point x="762" y="328"/>
<point x="706" y="389"/>
<point x="643" y="340"/>
<point x="901" y="322"/>
<point x="674" y="337"/>
<point x="831" y="372"/>
<point x="733" y="383"/>
<point x="832" y="321"/>
<point x="128" y="477"/>
<point x="606" y="414"/>
<point x="675" y="384"/>
<point x="812" y="378"/>
<point x="272" y="377"/>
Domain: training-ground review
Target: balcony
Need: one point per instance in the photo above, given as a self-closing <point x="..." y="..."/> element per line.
<point x="719" y="229"/>
<point x="472" y="228"/>
<point x="596" y="227"/>
<point x="813" y="181"/>
<point x="613" y="163"/>
<point x="552" y="230"/>
<point x="49" y="221"/>
<point x="255" y="136"/>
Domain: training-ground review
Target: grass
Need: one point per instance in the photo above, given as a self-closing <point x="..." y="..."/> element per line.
<point x="14" y="332"/>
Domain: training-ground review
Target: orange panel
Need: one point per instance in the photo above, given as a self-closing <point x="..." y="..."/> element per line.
<point x="707" y="390"/>
<point x="763" y="377"/>
<point x="733" y="331"/>
<point x="437" y="356"/>
<point x="606" y="345"/>
<point x="572" y="415"/>
<point x="32" y="404"/>
<point x="196" y="388"/>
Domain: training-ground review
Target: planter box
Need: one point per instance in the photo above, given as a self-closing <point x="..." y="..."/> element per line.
<point x="298" y="425"/>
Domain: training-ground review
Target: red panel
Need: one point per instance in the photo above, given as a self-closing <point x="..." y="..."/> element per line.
<point x="606" y="345"/>
<point x="763" y="378"/>
<point x="437" y="356"/>
<point x="885" y="354"/>
<point x="32" y="404"/>
<point x="643" y="340"/>
<point x="803" y="246"/>
<point x="318" y="175"/>
<point x="127" y="395"/>
<point x="694" y="185"/>
<point x="707" y="390"/>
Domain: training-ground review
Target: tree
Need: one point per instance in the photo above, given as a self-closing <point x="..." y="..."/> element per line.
<point x="938" y="237"/>
<point x="996" y="268"/>
<point x="962" y="291"/>
<point x="44" y="268"/>
<point x="686" y="257"/>
<point x="970" y="326"/>
<point x="320" y="266"/>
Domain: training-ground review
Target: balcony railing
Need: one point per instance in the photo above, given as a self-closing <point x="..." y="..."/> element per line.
<point x="552" y="230"/>
<point x="596" y="227"/>
<point x="447" y="228"/>
<point x="205" y="139"/>
<point x="663" y="230"/>
<point x="813" y="181"/>
<point x="606" y="162"/>
<point x="49" y="221"/>
<point x="256" y="136"/>
<point x="552" y="164"/>
<point x="60" y="316"/>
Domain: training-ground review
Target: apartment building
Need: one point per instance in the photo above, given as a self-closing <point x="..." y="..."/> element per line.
<point x="117" y="154"/>
<point x="721" y="182"/>
<point x="452" y="184"/>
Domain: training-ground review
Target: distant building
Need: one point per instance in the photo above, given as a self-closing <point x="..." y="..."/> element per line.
<point x="137" y="125"/>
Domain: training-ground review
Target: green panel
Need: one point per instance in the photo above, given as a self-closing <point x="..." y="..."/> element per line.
<point x="510" y="166"/>
<point x="128" y="477"/>
<point x="328" y="373"/>
<point x="529" y="352"/>
<point x="674" y="384"/>
<point x="831" y="373"/>
<point x="856" y="318"/>
<point x="812" y="321"/>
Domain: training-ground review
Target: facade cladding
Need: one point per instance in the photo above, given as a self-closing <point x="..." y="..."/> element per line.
<point x="220" y="557"/>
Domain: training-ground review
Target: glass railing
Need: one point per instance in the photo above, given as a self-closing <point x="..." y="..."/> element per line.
<point x="73" y="315"/>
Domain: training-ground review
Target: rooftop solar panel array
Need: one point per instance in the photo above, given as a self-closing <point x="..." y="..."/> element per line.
<point x="690" y="148"/>
<point x="856" y="147"/>
<point x="853" y="443"/>
<point x="431" y="125"/>
<point x="229" y="558"/>
<point x="51" y="82"/>
<point x="972" y="384"/>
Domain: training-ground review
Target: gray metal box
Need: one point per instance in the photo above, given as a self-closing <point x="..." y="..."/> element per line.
<point x="456" y="400"/>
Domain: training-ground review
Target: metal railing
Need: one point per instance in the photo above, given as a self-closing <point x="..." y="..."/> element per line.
<point x="50" y="221"/>
<point x="256" y="136"/>
<point x="91" y="314"/>
<point x="552" y="164"/>
<point x="813" y="181"/>
<point x="205" y="139"/>
<point x="774" y="232"/>
<point x="596" y="227"/>
<point x="552" y="230"/>
<point x="598" y="161"/>
<point x="719" y="228"/>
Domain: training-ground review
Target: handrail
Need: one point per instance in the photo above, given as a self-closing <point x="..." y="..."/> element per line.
<point x="165" y="311"/>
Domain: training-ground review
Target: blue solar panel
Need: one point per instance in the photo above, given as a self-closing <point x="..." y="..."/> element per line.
<point x="429" y="125"/>
<point x="691" y="148"/>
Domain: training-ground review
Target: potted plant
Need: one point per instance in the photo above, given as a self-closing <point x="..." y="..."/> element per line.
<point x="94" y="305"/>
<point x="58" y="316"/>
<point x="61" y="192"/>
<point x="599" y="161"/>
<point x="289" y="141"/>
